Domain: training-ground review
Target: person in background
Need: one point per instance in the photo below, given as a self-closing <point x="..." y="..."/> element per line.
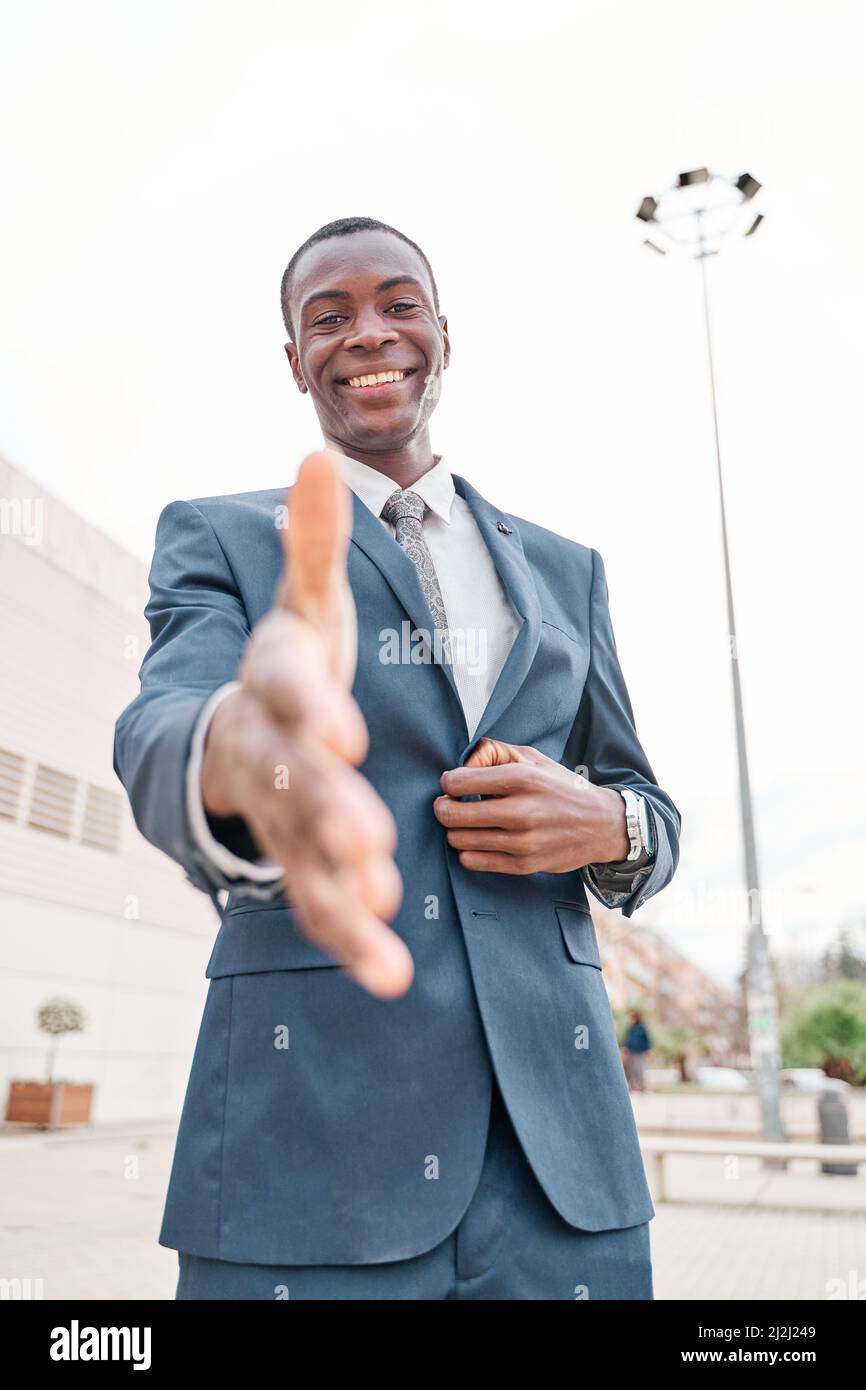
<point x="636" y="1047"/>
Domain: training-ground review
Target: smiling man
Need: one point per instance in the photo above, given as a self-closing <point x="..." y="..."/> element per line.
<point x="389" y="721"/>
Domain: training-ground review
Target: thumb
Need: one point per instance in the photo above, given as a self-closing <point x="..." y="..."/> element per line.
<point x="317" y="537"/>
<point x="492" y="752"/>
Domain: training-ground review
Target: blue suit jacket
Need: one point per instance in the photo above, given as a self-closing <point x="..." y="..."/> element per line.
<point x="362" y="1140"/>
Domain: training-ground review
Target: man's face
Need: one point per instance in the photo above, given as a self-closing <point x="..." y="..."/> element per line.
<point x="362" y="305"/>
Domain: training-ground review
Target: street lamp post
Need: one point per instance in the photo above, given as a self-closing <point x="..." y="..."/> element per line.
<point x="696" y="215"/>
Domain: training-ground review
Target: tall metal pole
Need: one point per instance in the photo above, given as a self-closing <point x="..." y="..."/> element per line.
<point x="760" y="993"/>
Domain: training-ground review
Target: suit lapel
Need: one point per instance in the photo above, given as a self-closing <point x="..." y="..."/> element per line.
<point x="506" y="549"/>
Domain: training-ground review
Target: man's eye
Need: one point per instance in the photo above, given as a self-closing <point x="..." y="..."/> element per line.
<point x="401" y="304"/>
<point x="327" y="320"/>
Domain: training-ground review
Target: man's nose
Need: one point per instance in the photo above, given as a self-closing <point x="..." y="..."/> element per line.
<point x="370" y="333"/>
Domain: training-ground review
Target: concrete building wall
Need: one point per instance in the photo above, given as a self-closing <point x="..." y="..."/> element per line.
<point x="88" y="910"/>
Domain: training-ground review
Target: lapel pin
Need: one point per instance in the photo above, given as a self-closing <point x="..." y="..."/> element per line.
<point x="506" y="530"/>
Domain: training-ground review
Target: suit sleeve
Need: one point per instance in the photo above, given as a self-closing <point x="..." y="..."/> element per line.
<point x="604" y="741"/>
<point x="199" y="629"/>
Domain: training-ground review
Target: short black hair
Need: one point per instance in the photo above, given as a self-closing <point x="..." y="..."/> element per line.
<point x="345" y="226"/>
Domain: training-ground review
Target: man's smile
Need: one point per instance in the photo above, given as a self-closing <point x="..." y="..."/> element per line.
<point x="378" y="382"/>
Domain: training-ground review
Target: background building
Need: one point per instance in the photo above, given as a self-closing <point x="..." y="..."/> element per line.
<point x="88" y="910"/>
<point x="642" y="970"/>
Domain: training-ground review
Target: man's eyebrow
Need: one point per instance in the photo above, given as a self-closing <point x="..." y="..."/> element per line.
<point x="344" y="294"/>
<point x="398" y="280"/>
<point x="324" y="294"/>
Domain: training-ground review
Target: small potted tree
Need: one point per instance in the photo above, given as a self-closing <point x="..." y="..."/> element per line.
<point x="50" y="1104"/>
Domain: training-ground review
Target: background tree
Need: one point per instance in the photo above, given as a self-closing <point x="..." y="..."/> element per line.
<point x="57" y="1017"/>
<point x="675" y="1045"/>
<point x="828" y="1030"/>
<point x="844" y="959"/>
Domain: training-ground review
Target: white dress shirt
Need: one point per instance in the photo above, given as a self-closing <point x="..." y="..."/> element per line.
<point x="482" y="622"/>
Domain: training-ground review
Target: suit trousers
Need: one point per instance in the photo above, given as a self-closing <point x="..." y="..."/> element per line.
<point x="510" y="1243"/>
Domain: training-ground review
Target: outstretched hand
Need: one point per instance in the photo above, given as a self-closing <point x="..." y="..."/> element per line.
<point x="283" y="750"/>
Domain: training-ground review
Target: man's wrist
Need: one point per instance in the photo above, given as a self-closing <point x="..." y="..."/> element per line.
<point x="640" y="833"/>
<point x="614" y="843"/>
<point x="215" y="794"/>
<point x="224" y="867"/>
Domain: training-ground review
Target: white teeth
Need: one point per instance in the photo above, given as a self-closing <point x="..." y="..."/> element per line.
<point x="379" y="379"/>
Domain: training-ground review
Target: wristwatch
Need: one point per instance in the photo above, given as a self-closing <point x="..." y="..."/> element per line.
<point x="637" y="824"/>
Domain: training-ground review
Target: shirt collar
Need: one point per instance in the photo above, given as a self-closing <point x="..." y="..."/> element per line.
<point x="436" y="486"/>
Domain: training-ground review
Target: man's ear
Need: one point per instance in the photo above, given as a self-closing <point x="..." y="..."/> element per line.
<point x="295" y="364"/>
<point x="446" y="347"/>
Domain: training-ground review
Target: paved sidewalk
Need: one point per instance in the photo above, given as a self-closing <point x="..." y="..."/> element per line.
<point x="81" y="1212"/>
<point x="712" y="1253"/>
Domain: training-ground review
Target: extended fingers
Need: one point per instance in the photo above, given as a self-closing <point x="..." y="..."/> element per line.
<point x="310" y="794"/>
<point x="330" y="913"/>
<point x="335" y="838"/>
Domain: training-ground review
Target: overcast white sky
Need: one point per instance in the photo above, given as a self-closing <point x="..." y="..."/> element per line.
<point x="161" y="161"/>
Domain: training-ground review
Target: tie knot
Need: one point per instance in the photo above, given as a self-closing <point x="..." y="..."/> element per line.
<point x="402" y="504"/>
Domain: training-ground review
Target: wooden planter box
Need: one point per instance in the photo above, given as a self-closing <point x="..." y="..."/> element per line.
<point x="49" y="1104"/>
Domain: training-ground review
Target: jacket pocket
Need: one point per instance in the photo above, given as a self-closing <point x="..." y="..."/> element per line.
<point x="255" y="938"/>
<point x="578" y="933"/>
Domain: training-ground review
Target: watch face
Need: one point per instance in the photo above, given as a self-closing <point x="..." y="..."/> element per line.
<point x="643" y="819"/>
<point x="631" y="822"/>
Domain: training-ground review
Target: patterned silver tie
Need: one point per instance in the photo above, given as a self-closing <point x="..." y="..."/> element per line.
<point x="405" y="511"/>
